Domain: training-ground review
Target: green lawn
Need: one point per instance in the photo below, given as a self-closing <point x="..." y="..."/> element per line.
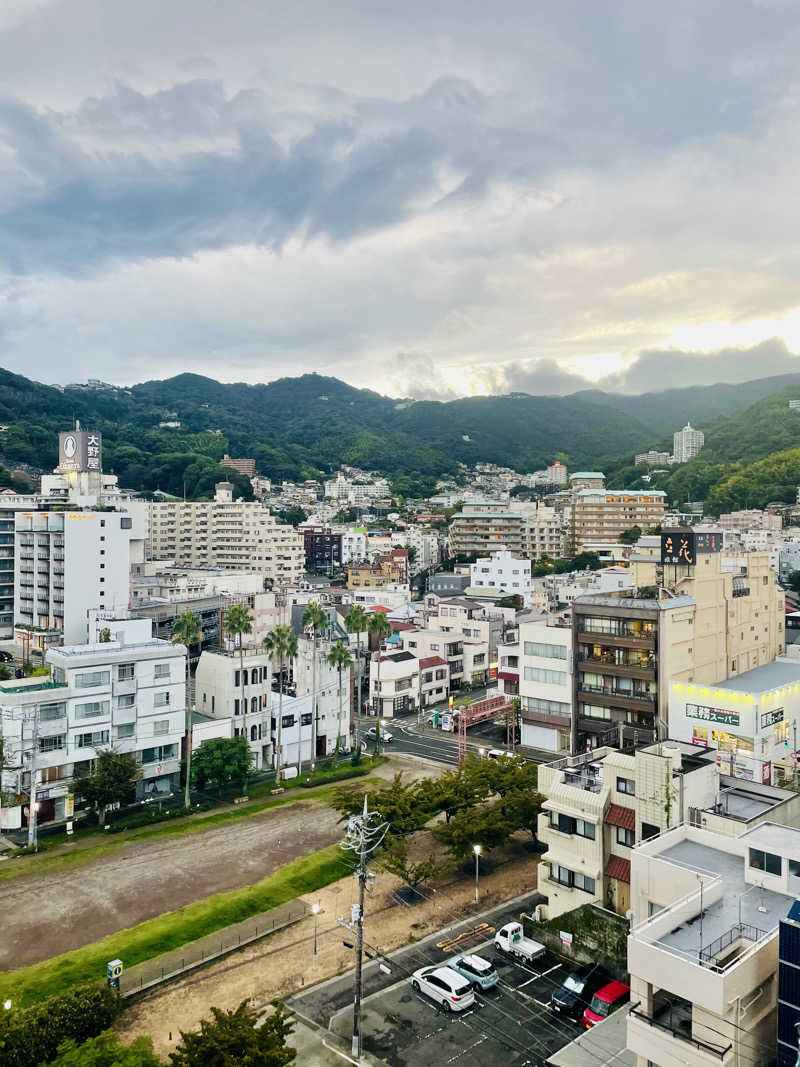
<point x="175" y="928"/>
<point x="78" y="854"/>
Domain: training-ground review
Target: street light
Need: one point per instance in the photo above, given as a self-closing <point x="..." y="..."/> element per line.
<point x="481" y="752"/>
<point x="477" y="850"/>
<point x="315" y="912"/>
<point x="7" y="1005"/>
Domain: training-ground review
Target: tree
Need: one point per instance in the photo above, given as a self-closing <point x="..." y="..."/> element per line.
<point x="631" y="536"/>
<point x="394" y="859"/>
<point x="106" y="1050"/>
<point x="238" y="622"/>
<point x="314" y="619"/>
<point x="339" y="657"/>
<point x="281" y="644"/>
<point x="291" y="516"/>
<point x="522" y="808"/>
<point x="379" y="628"/>
<point x="486" y="826"/>
<point x="355" y="622"/>
<point x="113" y="781"/>
<point x="188" y="630"/>
<point x="222" y="760"/>
<point x="232" y="1039"/>
<point x="105" y="636"/>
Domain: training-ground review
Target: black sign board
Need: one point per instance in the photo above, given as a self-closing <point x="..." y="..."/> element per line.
<point x="678" y="546"/>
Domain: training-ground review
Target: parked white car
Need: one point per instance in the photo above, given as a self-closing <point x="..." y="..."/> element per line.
<point x="445" y="986"/>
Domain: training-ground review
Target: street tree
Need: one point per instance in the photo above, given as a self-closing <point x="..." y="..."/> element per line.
<point x="222" y="760"/>
<point x="315" y="620"/>
<point x="239" y="623"/>
<point x="522" y="808"/>
<point x="394" y="860"/>
<point x="188" y="630"/>
<point x="106" y="1050"/>
<point x="232" y="1039"/>
<point x="281" y="645"/>
<point x="339" y="658"/>
<point x="485" y="825"/>
<point x="113" y="781"/>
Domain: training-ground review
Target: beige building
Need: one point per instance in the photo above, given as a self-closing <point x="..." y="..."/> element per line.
<point x="528" y="530"/>
<point x="604" y="514"/>
<point x="232" y="534"/>
<point x="703" y="948"/>
<point x="390" y="569"/>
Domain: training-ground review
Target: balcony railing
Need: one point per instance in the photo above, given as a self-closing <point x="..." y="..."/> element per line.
<point x="702" y="1046"/>
<point x="644" y="698"/>
<point x="739" y="932"/>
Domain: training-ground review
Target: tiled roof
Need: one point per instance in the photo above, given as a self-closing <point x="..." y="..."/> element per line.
<point x="619" y="816"/>
<point x="619" y="868"/>
<point x="432" y="661"/>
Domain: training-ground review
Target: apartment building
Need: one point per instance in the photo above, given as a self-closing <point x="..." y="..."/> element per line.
<point x="158" y="580"/>
<point x="545" y="678"/>
<point x="67" y="564"/>
<point x="323" y="550"/>
<point x="703" y="948"/>
<point x="653" y="458"/>
<point x="389" y="569"/>
<point x="427" y="549"/>
<point x="750" y="519"/>
<point x="482" y="629"/>
<point x="604" y="514"/>
<point x="544" y="532"/>
<point x="128" y="693"/>
<point x="247" y="467"/>
<point x="503" y="573"/>
<point x="397" y="692"/>
<point x="687" y="443"/>
<point x="746" y="719"/>
<point x="426" y="644"/>
<point x="480" y="528"/>
<point x="434" y="680"/>
<point x="227" y="533"/>
<point x="705" y="621"/>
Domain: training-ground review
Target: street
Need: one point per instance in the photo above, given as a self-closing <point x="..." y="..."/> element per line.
<point x="440" y="745"/>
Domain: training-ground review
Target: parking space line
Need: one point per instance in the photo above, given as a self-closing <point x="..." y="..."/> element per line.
<point x="535" y="978"/>
<point x="545" y="973"/>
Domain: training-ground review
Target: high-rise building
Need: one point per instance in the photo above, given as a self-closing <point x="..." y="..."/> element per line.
<point x="69" y="563"/>
<point x="686" y="443"/>
<point x="228" y="533"/>
<point x="601" y="515"/>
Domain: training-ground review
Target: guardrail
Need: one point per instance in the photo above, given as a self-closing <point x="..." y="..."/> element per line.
<point x="741" y="931"/>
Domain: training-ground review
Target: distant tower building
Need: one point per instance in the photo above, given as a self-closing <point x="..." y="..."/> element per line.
<point x="686" y="443"/>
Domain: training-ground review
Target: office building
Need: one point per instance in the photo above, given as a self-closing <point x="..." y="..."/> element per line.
<point x="227" y="533"/>
<point x="69" y="563"/>
<point x="687" y="443"/>
<point x="323" y="550"/>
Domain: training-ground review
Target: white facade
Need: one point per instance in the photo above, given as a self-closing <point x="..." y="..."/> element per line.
<point x="126" y="693"/>
<point x="544" y="531"/>
<point x="426" y="543"/>
<point x="504" y="572"/>
<point x="399" y="691"/>
<point x="545" y="683"/>
<point x="68" y="564"/>
<point x="160" y="579"/>
<point x="687" y="443"/>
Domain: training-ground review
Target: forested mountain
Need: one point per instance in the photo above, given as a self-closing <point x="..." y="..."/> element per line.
<point x="308" y="426"/>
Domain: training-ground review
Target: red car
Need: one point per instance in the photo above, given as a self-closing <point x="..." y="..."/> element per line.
<point x="605" y="1000"/>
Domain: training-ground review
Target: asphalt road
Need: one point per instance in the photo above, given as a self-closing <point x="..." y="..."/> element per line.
<point x="408" y="737"/>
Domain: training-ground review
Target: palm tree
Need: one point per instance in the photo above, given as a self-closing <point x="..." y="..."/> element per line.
<point x="187" y="630"/>
<point x="356" y="623"/>
<point x="281" y="644"/>
<point x="378" y="626"/>
<point x="315" y="619"/>
<point x="339" y="657"/>
<point x="238" y="622"/>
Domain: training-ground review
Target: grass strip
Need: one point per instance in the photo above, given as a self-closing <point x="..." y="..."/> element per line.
<point x="172" y="930"/>
<point x="194" y="824"/>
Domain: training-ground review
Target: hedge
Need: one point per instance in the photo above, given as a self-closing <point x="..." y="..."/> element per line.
<point x="31" y="1036"/>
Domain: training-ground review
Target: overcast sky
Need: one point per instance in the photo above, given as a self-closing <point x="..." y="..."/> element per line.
<point x="426" y="199"/>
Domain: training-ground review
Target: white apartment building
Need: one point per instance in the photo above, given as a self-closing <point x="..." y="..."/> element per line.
<point x="545" y="674"/>
<point x="653" y="458"/>
<point x="505" y="573"/>
<point x="703" y="948"/>
<point x="426" y="544"/>
<point x="687" y="443"/>
<point x="558" y="590"/>
<point x="232" y="534"/>
<point x="789" y="559"/>
<point x="164" y="580"/>
<point x="69" y="563"/>
<point x="398" y="690"/>
<point x="128" y="693"/>
<point x="544" y="531"/>
<point x="355" y="494"/>
<point x="750" y="519"/>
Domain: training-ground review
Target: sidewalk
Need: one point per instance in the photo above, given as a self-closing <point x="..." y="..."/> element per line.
<point x="153" y="973"/>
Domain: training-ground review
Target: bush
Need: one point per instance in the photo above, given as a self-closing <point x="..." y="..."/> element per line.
<point x="336" y="774"/>
<point x="147" y="817"/>
<point x="32" y="1036"/>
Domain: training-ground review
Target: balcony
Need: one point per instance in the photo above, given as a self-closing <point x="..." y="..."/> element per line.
<point x="668" y="1033"/>
<point x="621" y="639"/>
<point x="618" y="698"/>
<point x="597" y="665"/>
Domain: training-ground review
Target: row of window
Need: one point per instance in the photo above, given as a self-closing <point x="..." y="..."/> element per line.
<point x="541" y="674"/>
<point x="566" y="824"/>
<point x="545" y="651"/>
<point x="546" y="707"/>
<point x="57" y="741"/>
<point x="572" y="879"/>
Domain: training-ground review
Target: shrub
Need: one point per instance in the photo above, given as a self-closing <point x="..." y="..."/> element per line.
<point x="31" y="1037"/>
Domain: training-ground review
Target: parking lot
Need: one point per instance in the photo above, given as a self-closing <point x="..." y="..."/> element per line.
<point x="510" y="1024"/>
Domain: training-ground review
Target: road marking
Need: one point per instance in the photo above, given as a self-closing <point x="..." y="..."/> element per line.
<point x="541" y="1005"/>
<point x="555" y="968"/>
<point x="477" y="931"/>
<point x="535" y="977"/>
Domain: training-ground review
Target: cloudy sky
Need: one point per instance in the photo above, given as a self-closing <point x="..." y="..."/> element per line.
<point x="430" y="198"/>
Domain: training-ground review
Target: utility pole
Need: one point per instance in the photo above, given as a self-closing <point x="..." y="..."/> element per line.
<point x="32" y="811"/>
<point x="364" y="834"/>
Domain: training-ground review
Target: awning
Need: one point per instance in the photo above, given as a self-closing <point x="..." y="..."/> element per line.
<point x="619" y="816"/>
<point x="508" y="676"/>
<point x="619" y="868"/>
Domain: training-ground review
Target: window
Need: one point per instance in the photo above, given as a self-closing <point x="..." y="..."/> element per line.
<point x="627" y="786"/>
<point x="253" y="733"/>
<point x="49" y="712"/>
<point x="626" y="837"/>
<point x="584" y="829"/>
<point x="99" y="737"/>
<point x="546" y="707"/>
<point x="50" y="744"/>
<point x="794" y="868"/>
<point x="157" y="754"/>
<point x="126" y="730"/>
<point x="162" y="670"/>
<point x="287" y="721"/>
<point x="539" y="674"/>
<point x="161" y="700"/>
<point x="161" y="726"/>
<point x="584" y="883"/>
<point x="127" y="700"/>
<point x="236" y="678"/>
<point x="434" y="648"/>
<point x="305" y="718"/>
<point x="649" y="830"/>
<point x="91" y="711"/>
<point x="88" y="681"/>
<point x="765" y="861"/>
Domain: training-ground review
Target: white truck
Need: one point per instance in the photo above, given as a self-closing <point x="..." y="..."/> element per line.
<point x="510" y="939"/>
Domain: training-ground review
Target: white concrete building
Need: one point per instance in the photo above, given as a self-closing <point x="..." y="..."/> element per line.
<point x="545" y="673"/>
<point x="68" y="564"/>
<point x="543" y="533"/>
<point x="128" y="693"/>
<point x="399" y="692"/>
<point x="789" y="559"/>
<point x="426" y="544"/>
<point x="505" y="573"/>
<point x="687" y="443"/>
<point x="703" y="948"/>
<point x="242" y="692"/>
<point x="232" y="534"/>
<point x="164" y="580"/>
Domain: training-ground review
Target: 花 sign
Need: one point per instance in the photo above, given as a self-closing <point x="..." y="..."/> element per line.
<point x="80" y="451"/>
<point x="678" y="546"/>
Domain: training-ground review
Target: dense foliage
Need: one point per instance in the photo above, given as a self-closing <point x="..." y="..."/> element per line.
<point x="232" y="1039"/>
<point x="107" y="1050"/>
<point x="32" y="1037"/>
<point x="221" y="760"/>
